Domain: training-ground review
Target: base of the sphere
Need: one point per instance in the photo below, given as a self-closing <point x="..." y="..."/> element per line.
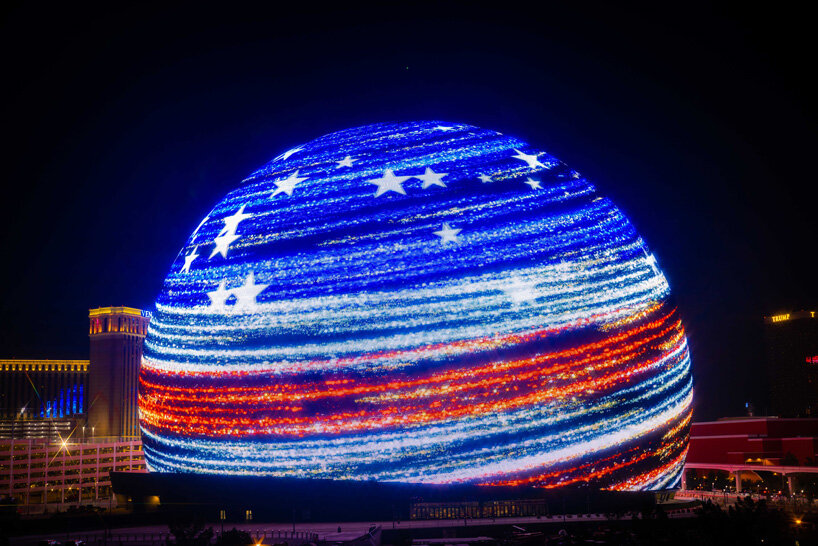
<point x="310" y="500"/>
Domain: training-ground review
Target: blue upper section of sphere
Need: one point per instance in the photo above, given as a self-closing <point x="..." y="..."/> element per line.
<point x="333" y="207"/>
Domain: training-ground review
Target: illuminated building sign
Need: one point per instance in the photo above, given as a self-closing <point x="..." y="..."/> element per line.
<point x="418" y="302"/>
<point x="784" y="317"/>
<point x="812" y="359"/>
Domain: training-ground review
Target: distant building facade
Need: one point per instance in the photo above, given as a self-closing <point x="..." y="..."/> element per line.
<point x="53" y="429"/>
<point x="44" y="475"/>
<point x="116" y="337"/>
<point x="66" y="424"/>
<point x="791" y="341"/>
<point x="778" y="455"/>
<point x="34" y="389"/>
<point x="763" y="441"/>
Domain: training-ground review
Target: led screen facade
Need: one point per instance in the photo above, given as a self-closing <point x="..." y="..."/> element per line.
<point x="421" y="302"/>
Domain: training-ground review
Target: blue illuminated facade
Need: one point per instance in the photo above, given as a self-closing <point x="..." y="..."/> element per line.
<point x="425" y="302"/>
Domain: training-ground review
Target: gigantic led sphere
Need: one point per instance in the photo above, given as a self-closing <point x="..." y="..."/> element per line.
<point x="418" y="302"/>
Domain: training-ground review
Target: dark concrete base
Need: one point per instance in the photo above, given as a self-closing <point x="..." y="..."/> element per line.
<point x="302" y="500"/>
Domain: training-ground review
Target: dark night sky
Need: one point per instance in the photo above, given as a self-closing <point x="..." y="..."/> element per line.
<point x="123" y="127"/>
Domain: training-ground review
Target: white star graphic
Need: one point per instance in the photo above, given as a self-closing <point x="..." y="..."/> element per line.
<point x="563" y="267"/>
<point x="532" y="160"/>
<point x="288" y="184"/>
<point x="651" y="261"/>
<point x="288" y="153"/>
<point x="346" y="162"/>
<point x="389" y="182"/>
<point x="189" y="260"/>
<point x="445" y="128"/>
<point x="520" y="290"/>
<point x="227" y="235"/>
<point x="222" y="243"/>
<point x="219" y="296"/>
<point x="231" y="223"/>
<point x="247" y="293"/>
<point x="431" y="178"/>
<point x="447" y="234"/>
<point x="535" y="184"/>
<point x="484" y="178"/>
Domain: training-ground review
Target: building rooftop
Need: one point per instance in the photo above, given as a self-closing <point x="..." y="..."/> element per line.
<point x="39" y="364"/>
<point x="100" y="311"/>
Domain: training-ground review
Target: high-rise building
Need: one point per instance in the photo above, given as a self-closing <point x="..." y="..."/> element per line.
<point x="66" y="424"/>
<point x="116" y="335"/>
<point x="36" y="389"/>
<point x="792" y="363"/>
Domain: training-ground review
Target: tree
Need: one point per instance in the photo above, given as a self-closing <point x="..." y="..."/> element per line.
<point x="190" y="532"/>
<point x="234" y="537"/>
<point x="747" y="522"/>
<point x="789" y="459"/>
